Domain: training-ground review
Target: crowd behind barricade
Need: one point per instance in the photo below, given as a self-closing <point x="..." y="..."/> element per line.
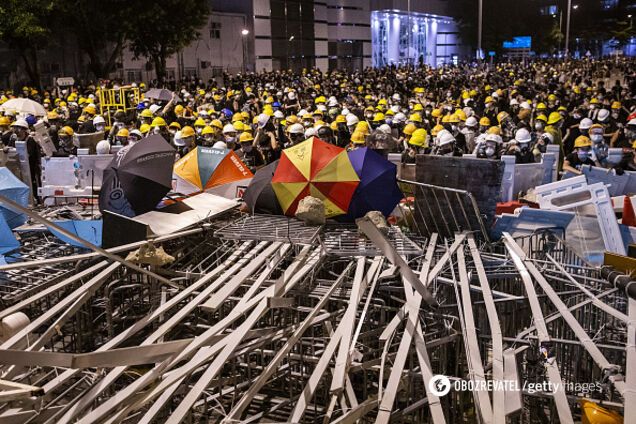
<point x="489" y="111"/>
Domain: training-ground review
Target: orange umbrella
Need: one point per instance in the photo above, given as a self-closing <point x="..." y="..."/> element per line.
<point x="318" y="169"/>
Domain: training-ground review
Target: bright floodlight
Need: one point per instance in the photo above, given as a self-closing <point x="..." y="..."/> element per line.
<point x="245" y="31"/>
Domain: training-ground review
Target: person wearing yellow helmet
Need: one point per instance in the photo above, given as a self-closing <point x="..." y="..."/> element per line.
<point x="248" y="153"/>
<point x="144" y="129"/>
<point x="121" y="137"/>
<point x="358" y="140"/>
<point x="417" y="144"/>
<point x="208" y="136"/>
<point x="484" y="124"/>
<point x="582" y="155"/>
<point x="146" y="116"/>
<point x="66" y="147"/>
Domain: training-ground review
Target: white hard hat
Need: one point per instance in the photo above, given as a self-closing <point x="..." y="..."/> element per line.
<point x="302" y="112"/>
<point x="514" y="102"/>
<point x="385" y="128"/>
<point x="444" y="137"/>
<point x="321" y="107"/>
<point x="22" y="123"/>
<point x="469" y="111"/>
<point x="99" y="120"/>
<point x="525" y="105"/>
<point x="137" y="133"/>
<point x="263" y="119"/>
<point x="296" y="129"/>
<point x="291" y="95"/>
<point x="103" y="147"/>
<point x="201" y="112"/>
<point x="154" y="108"/>
<point x="344" y="111"/>
<point x="279" y="115"/>
<point x="585" y="124"/>
<point x="549" y="136"/>
<point x="396" y="97"/>
<point x="395" y="108"/>
<point x="399" y="118"/>
<point x="229" y="128"/>
<point x="523" y="136"/>
<point x="332" y="102"/>
<point x="494" y="137"/>
<point x="603" y="114"/>
<point x="352" y="119"/>
<point x="178" y="141"/>
<point x="471" y="121"/>
<point x="219" y="145"/>
<point x="310" y="132"/>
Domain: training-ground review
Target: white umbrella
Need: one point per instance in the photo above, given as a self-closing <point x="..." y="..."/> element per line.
<point x="24" y="107"/>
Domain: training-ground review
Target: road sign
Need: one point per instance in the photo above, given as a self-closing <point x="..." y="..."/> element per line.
<point x="65" y="81"/>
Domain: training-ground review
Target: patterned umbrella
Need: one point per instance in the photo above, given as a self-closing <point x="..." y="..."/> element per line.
<point x="315" y="168"/>
<point x="217" y="171"/>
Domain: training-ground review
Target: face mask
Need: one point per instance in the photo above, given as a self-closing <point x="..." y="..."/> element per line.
<point x="597" y="138"/>
<point x="576" y="116"/>
<point x="246" y="147"/>
<point x="230" y="139"/>
<point x="592" y="107"/>
<point x="453" y="128"/>
<point x="100" y="127"/>
<point x="157" y="130"/>
<point x="490" y="151"/>
<point x="538" y="126"/>
<point x="582" y="155"/>
<point x="172" y="132"/>
<point x="199" y="129"/>
<point x="524" y="146"/>
<point x="615" y="115"/>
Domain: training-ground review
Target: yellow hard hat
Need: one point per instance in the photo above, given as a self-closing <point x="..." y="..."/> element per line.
<point x="554" y="118"/>
<point x="52" y="115"/>
<point x="494" y="130"/>
<point x="90" y="110"/>
<point x="175" y="125"/>
<point x="409" y="129"/>
<point x="485" y="122"/>
<point x="357" y="137"/>
<point x="199" y="122"/>
<point x="187" y="131"/>
<point x="501" y="116"/>
<point x="178" y="109"/>
<point x="378" y="117"/>
<point x="340" y="119"/>
<point x="418" y="107"/>
<point x="217" y="124"/>
<point x="122" y="133"/>
<point x="4" y="121"/>
<point x="594" y="101"/>
<point x="382" y="102"/>
<point x="582" y="141"/>
<point x="436" y="113"/>
<point x="146" y="113"/>
<point x="542" y="117"/>
<point x="158" y="122"/>
<point x="246" y="137"/>
<point x="333" y="126"/>
<point x="552" y="98"/>
<point x="207" y="130"/>
<point x="453" y="118"/>
<point x="489" y="99"/>
<point x="67" y="130"/>
<point x="541" y="106"/>
<point x="616" y="105"/>
<point x="461" y="114"/>
<point x="362" y="127"/>
<point x="144" y="128"/>
<point x="419" y="138"/>
<point x="436" y="129"/>
<point x="239" y="126"/>
<point x="415" y="117"/>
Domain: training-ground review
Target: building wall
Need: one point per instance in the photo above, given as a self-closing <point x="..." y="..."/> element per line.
<point x="349" y="34"/>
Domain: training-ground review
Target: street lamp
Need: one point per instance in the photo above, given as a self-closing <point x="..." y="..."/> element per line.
<point x="567" y="28"/>
<point x="244" y="33"/>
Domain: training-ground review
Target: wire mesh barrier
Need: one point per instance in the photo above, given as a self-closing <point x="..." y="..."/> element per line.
<point x="268" y="320"/>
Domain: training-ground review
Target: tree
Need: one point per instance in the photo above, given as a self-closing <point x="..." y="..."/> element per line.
<point x="24" y="26"/>
<point x="168" y="26"/>
<point x="101" y="28"/>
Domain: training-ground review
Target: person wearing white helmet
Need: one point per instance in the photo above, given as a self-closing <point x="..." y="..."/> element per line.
<point x="103" y="147"/>
<point x="489" y="146"/>
<point x="310" y="132"/>
<point x="134" y="136"/>
<point x="100" y="123"/>
<point x="229" y="136"/>
<point x="219" y="145"/>
<point x="520" y="147"/>
<point x="352" y="121"/>
<point x="469" y="130"/>
<point x="295" y="134"/>
<point x="265" y="139"/>
<point x="21" y="133"/>
<point x="446" y="145"/>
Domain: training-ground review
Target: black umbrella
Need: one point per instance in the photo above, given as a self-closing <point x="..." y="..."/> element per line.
<point x="138" y="177"/>
<point x="160" y="94"/>
<point x="259" y="195"/>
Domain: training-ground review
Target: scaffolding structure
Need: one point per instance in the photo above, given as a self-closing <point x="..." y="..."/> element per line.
<point x="259" y="320"/>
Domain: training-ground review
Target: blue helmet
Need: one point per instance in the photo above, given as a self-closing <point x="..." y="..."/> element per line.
<point x="276" y="104"/>
<point x="227" y="112"/>
<point x="31" y="120"/>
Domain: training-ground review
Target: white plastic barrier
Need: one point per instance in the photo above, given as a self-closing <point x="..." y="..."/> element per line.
<point x="575" y="192"/>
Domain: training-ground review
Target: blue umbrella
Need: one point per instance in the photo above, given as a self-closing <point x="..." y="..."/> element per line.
<point x="378" y="189"/>
<point x="14" y="189"/>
